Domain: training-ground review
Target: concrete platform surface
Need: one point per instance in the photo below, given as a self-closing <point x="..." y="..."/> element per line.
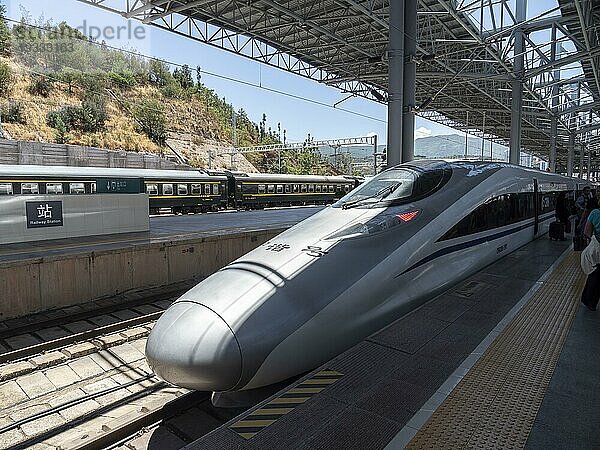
<point x="391" y="377"/>
<point x="164" y="228"/>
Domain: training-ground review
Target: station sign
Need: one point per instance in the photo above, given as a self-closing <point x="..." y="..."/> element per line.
<point x="44" y="214"/>
<point x="118" y="185"/>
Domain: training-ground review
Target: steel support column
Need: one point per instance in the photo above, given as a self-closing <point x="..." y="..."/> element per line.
<point x="396" y="83"/>
<point x="589" y="164"/>
<point x="571" y="156"/>
<point x="517" y="85"/>
<point x="581" y="159"/>
<point x="554" y="55"/>
<point x="410" y="80"/>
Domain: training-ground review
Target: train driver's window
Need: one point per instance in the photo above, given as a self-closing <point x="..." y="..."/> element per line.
<point x="318" y="188"/>
<point x="167" y="189"/>
<point x="215" y="188"/>
<point x="30" y="188"/>
<point x="288" y="188"/>
<point x="280" y="188"/>
<point x="182" y="189"/>
<point x="303" y="188"/>
<point x="6" y="189"/>
<point x="261" y="188"/>
<point x="207" y="189"/>
<point x="271" y="188"/>
<point x="196" y="189"/>
<point x="76" y="188"/>
<point x="54" y="188"/>
<point x="311" y="188"/>
<point x="296" y="188"/>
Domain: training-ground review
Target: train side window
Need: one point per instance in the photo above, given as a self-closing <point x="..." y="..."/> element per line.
<point x="54" y="188"/>
<point x="318" y="188"/>
<point x="6" y="189"/>
<point x="261" y="188"/>
<point x="304" y="188"/>
<point x="30" y="188"/>
<point x="296" y="188"/>
<point x="152" y="189"/>
<point x="215" y="189"/>
<point x="280" y="188"/>
<point x="76" y="188"/>
<point x="167" y="189"/>
<point x="196" y="189"/>
<point x="271" y="188"/>
<point x="346" y="188"/>
<point x="182" y="189"/>
<point x="288" y="188"/>
<point x="207" y="189"/>
<point x="331" y="189"/>
<point x="93" y="188"/>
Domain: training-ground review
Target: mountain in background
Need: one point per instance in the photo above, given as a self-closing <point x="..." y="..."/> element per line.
<point x="435" y="147"/>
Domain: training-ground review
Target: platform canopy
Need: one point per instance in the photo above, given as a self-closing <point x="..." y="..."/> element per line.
<point x="465" y="56"/>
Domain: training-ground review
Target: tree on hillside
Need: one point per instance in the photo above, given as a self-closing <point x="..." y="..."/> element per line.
<point x="5" y="37"/>
<point x="184" y="77"/>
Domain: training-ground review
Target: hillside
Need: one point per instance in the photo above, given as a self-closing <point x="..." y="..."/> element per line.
<point x="58" y="86"/>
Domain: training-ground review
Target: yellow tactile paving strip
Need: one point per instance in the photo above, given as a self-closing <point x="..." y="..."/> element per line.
<point x="256" y="421"/>
<point x="495" y="404"/>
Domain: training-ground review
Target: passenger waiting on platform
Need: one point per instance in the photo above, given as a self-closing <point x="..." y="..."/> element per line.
<point x="590" y="261"/>
<point x="562" y="211"/>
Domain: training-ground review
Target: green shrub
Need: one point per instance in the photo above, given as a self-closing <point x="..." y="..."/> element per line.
<point x="172" y="90"/>
<point x="5" y="36"/>
<point x="5" y="78"/>
<point x="123" y="79"/>
<point x="13" y="113"/>
<point x="90" y="117"/>
<point x="152" y="120"/>
<point x="40" y="85"/>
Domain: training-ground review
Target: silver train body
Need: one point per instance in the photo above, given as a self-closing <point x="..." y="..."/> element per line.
<point x="339" y="276"/>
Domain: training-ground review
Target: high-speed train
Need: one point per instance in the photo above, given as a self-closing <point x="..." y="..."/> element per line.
<point x="330" y="281"/>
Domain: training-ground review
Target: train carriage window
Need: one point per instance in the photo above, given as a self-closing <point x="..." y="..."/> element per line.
<point x="271" y="188"/>
<point x="167" y="189"/>
<point x="6" y="189"/>
<point x="280" y="188"/>
<point x="261" y="188"/>
<point x="347" y="188"/>
<point x="304" y="188"/>
<point x="296" y="188"/>
<point x="196" y="189"/>
<point x="288" y="188"/>
<point x="152" y="189"/>
<point x="76" y="188"/>
<point x="93" y="188"/>
<point x="30" y="188"/>
<point x="331" y="189"/>
<point x="54" y="188"/>
<point x="311" y="188"/>
<point x="207" y="189"/>
<point x="215" y="189"/>
<point x="318" y="188"/>
<point x="182" y="189"/>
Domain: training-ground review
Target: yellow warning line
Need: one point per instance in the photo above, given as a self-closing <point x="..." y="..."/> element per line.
<point x="495" y="404"/>
<point x="248" y="426"/>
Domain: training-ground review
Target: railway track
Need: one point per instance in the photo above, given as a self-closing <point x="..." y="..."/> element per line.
<point x="87" y="385"/>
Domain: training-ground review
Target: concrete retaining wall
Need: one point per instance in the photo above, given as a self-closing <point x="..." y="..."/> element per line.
<point x="43" y="284"/>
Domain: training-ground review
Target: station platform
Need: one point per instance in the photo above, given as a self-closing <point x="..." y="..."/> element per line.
<point x="162" y="229"/>
<point x="506" y="359"/>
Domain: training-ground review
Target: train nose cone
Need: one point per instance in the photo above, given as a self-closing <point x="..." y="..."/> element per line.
<point x="191" y="346"/>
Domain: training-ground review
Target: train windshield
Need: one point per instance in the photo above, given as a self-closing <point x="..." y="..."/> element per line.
<point x="389" y="186"/>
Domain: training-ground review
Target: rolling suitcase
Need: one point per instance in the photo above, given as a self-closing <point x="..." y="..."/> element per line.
<point x="557" y="231"/>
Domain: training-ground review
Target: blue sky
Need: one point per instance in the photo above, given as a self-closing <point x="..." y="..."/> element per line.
<point x="297" y="117"/>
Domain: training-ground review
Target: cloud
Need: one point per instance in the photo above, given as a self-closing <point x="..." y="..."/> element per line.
<point x="422" y="132"/>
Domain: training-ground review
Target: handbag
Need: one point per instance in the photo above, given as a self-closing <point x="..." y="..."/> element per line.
<point x="590" y="256"/>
